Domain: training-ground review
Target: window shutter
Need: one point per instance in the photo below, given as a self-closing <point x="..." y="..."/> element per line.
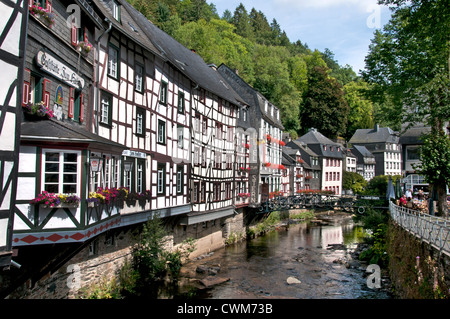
<point x="71" y="101"/>
<point x="49" y="5"/>
<point x="81" y="108"/>
<point x="47" y="85"/>
<point x="74" y="34"/>
<point x="26" y="87"/>
<point x="85" y="35"/>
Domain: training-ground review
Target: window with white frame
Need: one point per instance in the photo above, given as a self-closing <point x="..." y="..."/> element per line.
<point x="115" y="8"/>
<point x="140" y="176"/>
<point x="161" y="174"/>
<point x="139" y="78"/>
<point x="113" y="64"/>
<point x="163" y="93"/>
<point x="106" y="109"/>
<point x="180" y="131"/>
<point x="161" y="132"/>
<point x="61" y="171"/>
<point x="180" y="177"/>
<point x="180" y="102"/>
<point x="140" y="121"/>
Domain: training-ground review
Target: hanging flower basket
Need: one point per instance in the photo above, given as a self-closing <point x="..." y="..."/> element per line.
<point x="268" y="137"/>
<point x="37" y="111"/>
<point x="42" y="14"/>
<point x="281" y="166"/>
<point x="267" y="164"/>
<point x="51" y="200"/>
<point x="84" y="47"/>
<point x="247" y="146"/>
<point x="282" y="143"/>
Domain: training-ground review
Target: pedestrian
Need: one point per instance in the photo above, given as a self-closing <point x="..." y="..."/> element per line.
<point x="408" y="194"/>
<point x="403" y="200"/>
<point x="420" y="195"/>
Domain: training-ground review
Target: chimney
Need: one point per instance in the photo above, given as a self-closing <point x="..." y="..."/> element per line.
<point x="377" y="127"/>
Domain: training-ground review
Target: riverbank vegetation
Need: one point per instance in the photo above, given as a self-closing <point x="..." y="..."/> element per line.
<point x="375" y="224"/>
<point x="151" y="265"/>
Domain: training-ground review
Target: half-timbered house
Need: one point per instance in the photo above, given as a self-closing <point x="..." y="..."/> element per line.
<point x="310" y="162"/>
<point x="293" y="176"/>
<point x="213" y="108"/>
<point x="265" y="119"/>
<point x="12" y="59"/>
<point x="144" y="104"/>
<point x="56" y="153"/>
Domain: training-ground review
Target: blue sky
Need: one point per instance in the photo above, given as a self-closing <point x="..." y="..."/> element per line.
<point x="343" y="26"/>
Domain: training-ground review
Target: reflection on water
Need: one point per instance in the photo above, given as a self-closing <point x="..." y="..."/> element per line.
<point x="259" y="268"/>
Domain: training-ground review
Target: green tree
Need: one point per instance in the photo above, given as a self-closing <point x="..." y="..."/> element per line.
<point x="361" y="108"/>
<point x="261" y="27"/>
<point x="324" y="105"/>
<point x="241" y="21"/>
<point x="353" y="181"/>
<point x="343" y="75"/>
<point x="378" y="185"/>
<point x="272" y="79"/>
<point x="409" y="65"/>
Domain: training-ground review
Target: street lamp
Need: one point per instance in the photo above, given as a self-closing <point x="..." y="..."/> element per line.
<point x="127" y="166"/>
<point x="96" y="164"/>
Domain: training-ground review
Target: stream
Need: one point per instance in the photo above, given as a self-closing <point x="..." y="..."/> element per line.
<point x="302" y="261"/>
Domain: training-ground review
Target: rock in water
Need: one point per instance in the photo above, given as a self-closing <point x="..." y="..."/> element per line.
<point x="209" y="282"/>
<point x="293" y="281"/>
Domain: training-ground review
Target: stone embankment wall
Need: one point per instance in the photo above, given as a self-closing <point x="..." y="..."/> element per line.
<point x="417" y="270"/>
<point x="104" y="257"/>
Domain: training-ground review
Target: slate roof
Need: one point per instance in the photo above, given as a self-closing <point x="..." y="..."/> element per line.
<point x="289" y="154"/>
<point x="302" y="147"/>
<point x="362" y="150"/>
<point x="411" y="136"/>
<point x="249" y="94"/>
<point x="126" y="25"/>
<point x="375" y="135"/>
<point x="185" y="60"/>
<point x="316" y="140"/>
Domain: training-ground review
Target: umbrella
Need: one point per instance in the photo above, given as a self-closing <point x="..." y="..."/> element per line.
<point x="398" y="188"/>
<point x="390" y="189"/>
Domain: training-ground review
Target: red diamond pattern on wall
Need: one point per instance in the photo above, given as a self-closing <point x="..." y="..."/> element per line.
<point x="54" y="237"/>
<point x="77" y="236"/>
<point x="29" y="239"/>
<point x="65" y="236"/>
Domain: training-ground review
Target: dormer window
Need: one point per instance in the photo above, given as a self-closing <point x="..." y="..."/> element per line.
<point x="116" y="10"/>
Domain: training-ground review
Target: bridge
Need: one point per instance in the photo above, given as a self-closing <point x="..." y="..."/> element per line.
<point x="347" y="203"/>
<point x="433" y="230"/>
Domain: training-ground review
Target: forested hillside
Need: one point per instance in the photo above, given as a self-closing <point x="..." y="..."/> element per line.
<point x="310" y="87"/>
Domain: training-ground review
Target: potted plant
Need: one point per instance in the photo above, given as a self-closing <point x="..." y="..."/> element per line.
<point x="84" y="47"/>
<point x="51" y="200"/>
<point x="43" y="14"/>
<point x="38" y="111"/>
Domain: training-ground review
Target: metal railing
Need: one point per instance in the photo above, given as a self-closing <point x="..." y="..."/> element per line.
<point x="431" y="229"/>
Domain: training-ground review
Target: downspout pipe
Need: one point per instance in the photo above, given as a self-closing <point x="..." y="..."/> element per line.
<point x="97" y="71"/>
